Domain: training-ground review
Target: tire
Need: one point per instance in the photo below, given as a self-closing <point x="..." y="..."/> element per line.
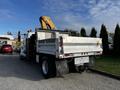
<point x="48" y="67"/>
<point x="80" y="69"/>
<point x="11" y="53"/>
<point x="71" y="65"/>
<point x="62" y="67"/>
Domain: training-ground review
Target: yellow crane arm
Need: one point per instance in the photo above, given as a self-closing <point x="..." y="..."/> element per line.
<point x="46" y="23"/>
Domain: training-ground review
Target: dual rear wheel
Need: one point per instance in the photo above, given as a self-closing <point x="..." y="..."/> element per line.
<point x="49" y="68"/>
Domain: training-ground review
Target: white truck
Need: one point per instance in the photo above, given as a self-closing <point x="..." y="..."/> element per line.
<point x="58" y="53"/>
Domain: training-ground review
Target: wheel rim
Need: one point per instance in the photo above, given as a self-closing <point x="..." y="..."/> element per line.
<point x="45" y="67"/>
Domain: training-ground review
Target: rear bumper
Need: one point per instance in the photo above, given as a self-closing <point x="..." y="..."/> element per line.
<point x="81" y="54"/>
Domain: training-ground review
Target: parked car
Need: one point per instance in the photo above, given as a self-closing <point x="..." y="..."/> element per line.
<point x="6" y="48"/>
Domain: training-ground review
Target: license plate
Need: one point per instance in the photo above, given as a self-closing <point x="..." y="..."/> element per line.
<point x="81" y="60"/>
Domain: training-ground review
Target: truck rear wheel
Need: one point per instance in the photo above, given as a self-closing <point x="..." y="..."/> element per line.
<point x="48" y="67"/>
<point x="80" y="69"/>
<point x="71" y="65"/>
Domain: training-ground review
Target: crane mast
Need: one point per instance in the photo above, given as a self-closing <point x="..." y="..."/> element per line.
<point x="46" y="23"/>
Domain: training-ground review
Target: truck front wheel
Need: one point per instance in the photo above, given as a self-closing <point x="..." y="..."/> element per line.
<point x="48" y="67"/>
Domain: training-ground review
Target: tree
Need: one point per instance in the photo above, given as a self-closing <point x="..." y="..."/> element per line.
<point x="9" y="33"/>
<point x="19" y="36"/>
<point x="116" y="41"/>
<point x="104" y="36"/>
<point x="93" y="32"/>
<point x="83" y="32"/>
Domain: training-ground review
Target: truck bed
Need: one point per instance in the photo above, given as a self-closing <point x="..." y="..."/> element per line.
<point x="81" y="44"/>
<point x="72" y="46"/>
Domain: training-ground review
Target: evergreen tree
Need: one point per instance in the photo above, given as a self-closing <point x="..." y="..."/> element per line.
<point x="9" y="33"/>
<point x="116" y="41"/>
<point x="83" y="32"/>
<point x="93" y="32"/>
<point x="104" y="36"/>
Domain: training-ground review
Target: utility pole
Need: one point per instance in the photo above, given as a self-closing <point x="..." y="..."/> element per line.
<point x="19" y="36"/>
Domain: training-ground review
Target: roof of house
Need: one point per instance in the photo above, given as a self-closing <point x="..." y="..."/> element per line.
<point x="9" y="37"/>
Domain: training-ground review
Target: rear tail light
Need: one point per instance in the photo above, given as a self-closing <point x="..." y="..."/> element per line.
<point x="68" y="54"/>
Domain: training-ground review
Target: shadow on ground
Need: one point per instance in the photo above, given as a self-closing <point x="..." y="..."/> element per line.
<point x="11" y="66"/>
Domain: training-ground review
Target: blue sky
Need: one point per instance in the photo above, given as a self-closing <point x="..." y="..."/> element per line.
<point x="73" y="14"/>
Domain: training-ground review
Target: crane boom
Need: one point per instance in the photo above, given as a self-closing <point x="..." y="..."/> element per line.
<point x="46" y="23"/>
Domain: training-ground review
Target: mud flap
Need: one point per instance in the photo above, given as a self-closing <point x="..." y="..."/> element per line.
<point x="62" y="67"/>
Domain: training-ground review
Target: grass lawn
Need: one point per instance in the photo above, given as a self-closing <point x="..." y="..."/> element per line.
<point x="108" y="64"/>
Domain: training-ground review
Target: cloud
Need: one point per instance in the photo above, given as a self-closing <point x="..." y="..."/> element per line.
<point x="5" y="13"/>
<point x="71" y="21"/>
<point x="72" y="14"/>
<point x="6" y="3"/>
<point x="107" y="12"/>
<point x="75" y="14"/>
<point x="66" y="13"/>
<point x="6" y="10"/>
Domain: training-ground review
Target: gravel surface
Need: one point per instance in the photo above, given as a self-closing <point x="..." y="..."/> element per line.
<point x="20" y="75"/>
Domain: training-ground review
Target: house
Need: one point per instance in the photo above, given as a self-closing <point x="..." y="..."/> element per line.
<point x="6" y="39"/>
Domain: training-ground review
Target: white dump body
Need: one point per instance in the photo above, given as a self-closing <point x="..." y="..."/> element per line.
<point x="64" y="46"/>
<point x="82" y="46"/>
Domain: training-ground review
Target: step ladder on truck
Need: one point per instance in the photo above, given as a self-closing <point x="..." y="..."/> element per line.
<point x="57" y="52"/>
